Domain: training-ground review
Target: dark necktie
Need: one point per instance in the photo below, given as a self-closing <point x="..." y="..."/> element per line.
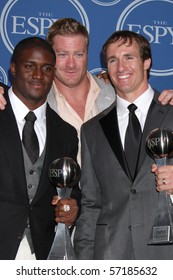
<point x="29" y="137"/>
<point x="132" y="140"/>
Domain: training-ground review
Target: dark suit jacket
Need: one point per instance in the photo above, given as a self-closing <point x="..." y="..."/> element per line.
<point x="117" y="214"/>
<point x="14" y="204"/>
<point x="4" y="86"/>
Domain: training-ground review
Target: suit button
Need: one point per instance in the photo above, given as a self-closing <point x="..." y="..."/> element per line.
<point x="133" y="191"/>
<point x="130" y="228"/>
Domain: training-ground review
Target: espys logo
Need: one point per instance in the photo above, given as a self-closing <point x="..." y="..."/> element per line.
<point x="105" y="3"/>
<point x="3" y="76"/>
<point x="157" y="26"/>
<point x="21" y="18"/>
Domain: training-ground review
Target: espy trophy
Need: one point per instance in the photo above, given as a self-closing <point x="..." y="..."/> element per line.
<point x="64" y="174"/>
<point x="159" y="145"/>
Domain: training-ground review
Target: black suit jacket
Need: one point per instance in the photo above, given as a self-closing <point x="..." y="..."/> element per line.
<point x="4" y="86"/>
<point x="14" y="203"/>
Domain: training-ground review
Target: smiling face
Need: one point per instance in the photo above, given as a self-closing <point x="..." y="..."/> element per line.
<point x="127" y="70"/>
<point x="33" y="74"/>
<point x="71" y="59"/>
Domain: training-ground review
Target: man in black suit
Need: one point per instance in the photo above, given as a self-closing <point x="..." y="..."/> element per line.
<point x="25" y="190"/>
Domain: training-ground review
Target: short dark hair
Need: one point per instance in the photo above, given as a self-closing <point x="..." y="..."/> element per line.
<point x="31" y="42"/>
<point x="126" y="36"/>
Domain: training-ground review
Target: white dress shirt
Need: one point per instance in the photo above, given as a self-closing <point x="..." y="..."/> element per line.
<point x="20" y="111"/>
<point x="142" y="102"/>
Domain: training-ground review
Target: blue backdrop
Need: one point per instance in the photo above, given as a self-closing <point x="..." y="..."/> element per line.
<point x="151" y="18"/>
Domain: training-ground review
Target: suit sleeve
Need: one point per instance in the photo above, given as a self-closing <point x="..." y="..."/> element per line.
<point x="90" y="207"/>
<point x="76" y="192"/>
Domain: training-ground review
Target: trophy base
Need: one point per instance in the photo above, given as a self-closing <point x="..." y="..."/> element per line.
<point x="161" y="235"/>
<point x="62" y="248"/>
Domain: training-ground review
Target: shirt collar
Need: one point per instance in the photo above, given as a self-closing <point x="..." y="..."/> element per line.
<point x="142" y="102"/>
<point x="94" y="87"/>
<point x="21" y="110"/>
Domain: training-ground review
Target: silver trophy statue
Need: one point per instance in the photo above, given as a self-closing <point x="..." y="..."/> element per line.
<point x="64" y="174"/>
<point x="159" y="145"/>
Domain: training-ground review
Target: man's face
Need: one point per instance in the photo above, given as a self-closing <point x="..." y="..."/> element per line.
<point x="127" y="70"/>
<point x="33" y="75"/>
<point x="71" y="59"/>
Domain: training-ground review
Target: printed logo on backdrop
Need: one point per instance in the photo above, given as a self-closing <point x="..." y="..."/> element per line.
<point x="3" y="76"/>
<point x="21" y="18"/>
<point x="105" y="2"/>
<point x="153" y="19"/>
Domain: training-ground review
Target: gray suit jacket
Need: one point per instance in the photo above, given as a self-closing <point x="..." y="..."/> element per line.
<point x="117" y="214"/>
<point x="105" y="98"/>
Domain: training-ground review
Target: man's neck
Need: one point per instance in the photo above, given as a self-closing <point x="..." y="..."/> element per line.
<point x="76" y="96"/>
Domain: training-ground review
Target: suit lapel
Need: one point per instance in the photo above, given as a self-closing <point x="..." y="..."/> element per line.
<point x="110" y="127"/>
<point x="11" y="144"/>
<point x="109" y="124"/>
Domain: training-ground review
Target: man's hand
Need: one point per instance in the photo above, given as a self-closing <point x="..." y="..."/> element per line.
<point x="2" y="99"/>
<point x="166" y="97"/>
<point x="103" y="75"/>
<point x="66" y="210"/>
<point x="164" y="178"/>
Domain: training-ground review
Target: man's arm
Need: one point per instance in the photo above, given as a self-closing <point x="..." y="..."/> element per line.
<point x="165" y="97"/>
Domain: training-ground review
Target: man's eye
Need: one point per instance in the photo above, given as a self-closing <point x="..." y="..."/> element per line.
<point x="112" y="60"/>
<point x="29" y="66"/>
<point x="48" y="68"/>
<point x="79" y="54"/>
<point x="61" y="54"/>
<point x="129" y="57"/>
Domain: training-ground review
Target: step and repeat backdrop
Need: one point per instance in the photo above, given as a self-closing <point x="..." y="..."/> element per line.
<point x="152" y="18"/>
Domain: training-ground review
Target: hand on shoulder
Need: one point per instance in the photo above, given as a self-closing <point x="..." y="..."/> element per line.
<point x="2" y="99"/>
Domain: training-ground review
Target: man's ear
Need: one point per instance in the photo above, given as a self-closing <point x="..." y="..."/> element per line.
<point x="13" y="69"/>
<point x="147" y="63"/>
